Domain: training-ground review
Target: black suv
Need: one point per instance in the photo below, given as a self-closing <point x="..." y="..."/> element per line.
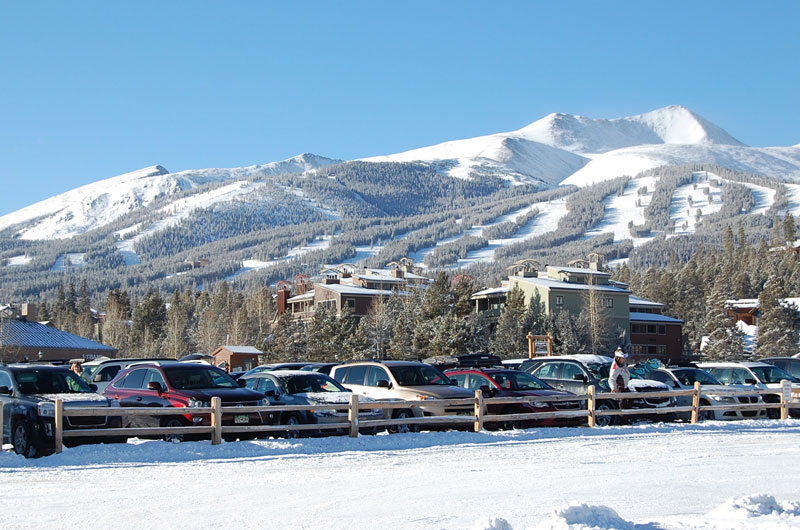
<point x="28" y="394"/>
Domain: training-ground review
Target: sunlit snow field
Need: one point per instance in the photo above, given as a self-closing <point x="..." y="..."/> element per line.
<point x="711" y="476"/>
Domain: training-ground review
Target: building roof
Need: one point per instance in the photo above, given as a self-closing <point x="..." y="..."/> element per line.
<point x="300" y="297"/>
<point x="653" y="317"/>
<point x="352" y="289"/>
<point x="383" y="278"/>
<point x="241" y="349"/>
<point x="577" y="270"/>
<point x="641" y="302"/>
<point x="25" y="334"/>
<point x="407" y="275"/>
<point x="491" y="291"/>
<point x="556" y="284"/>
<point x="752" y="303"/>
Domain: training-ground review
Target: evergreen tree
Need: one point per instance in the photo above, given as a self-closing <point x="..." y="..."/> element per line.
<point x="176" y="333"/>
<point x="510" y="336"/>
<point x="566" y="337"/>
<point x="777" y="334"/>
<point x="724" y="340"/>
<point x="789" y="230"/>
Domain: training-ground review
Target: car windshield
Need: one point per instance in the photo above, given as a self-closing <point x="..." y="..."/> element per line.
<point x="312" y="382"/>
<point x="518" y="381"/>
<point x="89" y="370"/>
<point x="772" y="374"/>
<point x="197" y="377"/>
<point x="51" y="382"/>
<point x="689" y="377"/>
<point x="416" y="375"/>
<point x="599" y="370"/>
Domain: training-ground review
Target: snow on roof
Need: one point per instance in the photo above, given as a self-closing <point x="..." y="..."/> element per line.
<point x="300" y="297"/>
<point x="749" y="303"/>
<point x="556" y="284"/>
<point x="22" y="333"/>
<point x="385" y="278"/>
<point x="578" y="270"/>
<point x="635" y="300"/>
<point x="582" y="357"/>
<point x="491" y="291"/>
<point x="653" y="317"/>
<point x="243" y="349"/>
<point x="353" y="290"/>
<point x="388" y="272"/>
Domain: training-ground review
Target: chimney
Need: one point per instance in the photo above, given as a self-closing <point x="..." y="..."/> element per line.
<point x="283" y="295"/>
<point x="398" y="273"/>
<point x="30" y="312"/>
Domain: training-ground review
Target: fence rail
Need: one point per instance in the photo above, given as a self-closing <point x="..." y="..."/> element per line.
<point x="478" y="418"/>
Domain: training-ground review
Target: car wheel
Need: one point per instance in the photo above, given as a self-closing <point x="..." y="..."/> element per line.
<point x="509" y="425"/>
<point x="293" y="419"/>
<point x="170" y="423"/>
<point x="402" y="428"/>
<point x="21" y="439"/>
<point x="705" y="415"/>
<point x="604" y="421"/>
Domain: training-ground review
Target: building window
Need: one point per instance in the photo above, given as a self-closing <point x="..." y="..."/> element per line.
<point x="662" y="330"/>
<point x="651" y="349"/>
<point x="560" y="301"/>
<point x="608" y="302"/>
<point x="350" y="302"/>
<point x="639" y="349"/>
<point x="328" y="304"/>
<point x="651" y="329"/>
<point x="662" y="350"/>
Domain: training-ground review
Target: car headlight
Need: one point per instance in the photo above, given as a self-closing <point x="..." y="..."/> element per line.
<point x="724" y="399"/>
<point x="197" y="404"/>
<point x="423" y="397"/>
<point x="541" y="404"/>
<point x="46" y="409"/>
<point x="264" y="402"/>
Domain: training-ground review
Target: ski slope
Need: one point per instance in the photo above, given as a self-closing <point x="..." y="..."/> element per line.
<point x="714" y="475"/>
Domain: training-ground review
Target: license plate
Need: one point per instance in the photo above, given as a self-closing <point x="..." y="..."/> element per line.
<point x="241" y="419"/>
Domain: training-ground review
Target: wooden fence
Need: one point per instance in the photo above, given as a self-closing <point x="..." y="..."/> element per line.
<point x="475" y="421"/>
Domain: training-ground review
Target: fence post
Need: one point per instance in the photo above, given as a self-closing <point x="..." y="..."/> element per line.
<point x="58" y="419"/>
<point x="590" y="405"/>
<point x="216" y="420"/>
<point x="786" y="398"/>
<point x="696" y="402"/>
<point x="352" y="415"/>
<point x="478" y="411"/>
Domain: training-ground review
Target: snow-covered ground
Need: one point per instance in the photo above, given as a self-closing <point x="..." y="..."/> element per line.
<point x="74" y="260"/>
<point x="684" y="214"/>
<point x="793" y="196"/>
<point x="621" y="210"/>
<point x="16" y="261"/>
<point x="714" y="475"/>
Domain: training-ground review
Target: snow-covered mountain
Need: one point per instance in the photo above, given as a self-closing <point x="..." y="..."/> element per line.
<point x="566" y="149"/>
<point x="557" y="149"/>
<point x="100" y="203"/>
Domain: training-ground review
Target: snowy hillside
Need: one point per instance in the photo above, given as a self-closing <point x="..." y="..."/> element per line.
<point x="100" y="203"/>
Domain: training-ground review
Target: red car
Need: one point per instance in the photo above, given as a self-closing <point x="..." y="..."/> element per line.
<point x="498" y="382"/>
<point x="177" y="384"/>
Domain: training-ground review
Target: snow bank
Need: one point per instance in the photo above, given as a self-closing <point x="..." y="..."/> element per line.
<point x="583" y="516"/>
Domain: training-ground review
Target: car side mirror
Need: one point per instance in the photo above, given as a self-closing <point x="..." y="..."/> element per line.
<point x="93" y="387"/>
<point x="155" y="385"/>
<point x="383" y="383"/>
<point x="241" y="382"/>
<point x="486" y="390"/>
<point x="580" y="377"/>
<point x="750" y="381"/>
<point x="5" y="391"/>
<point x="272" y="394"/>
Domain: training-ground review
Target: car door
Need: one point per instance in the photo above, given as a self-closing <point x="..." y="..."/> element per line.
<point x="550" y="373"/>
<point x="6" y="401"/>
<point x="373" y="388"/>
<point x="573" y="378"/>
<point x="104" y="375"/>
<point x="669" y="380"/>
<point x="151" y="398"/>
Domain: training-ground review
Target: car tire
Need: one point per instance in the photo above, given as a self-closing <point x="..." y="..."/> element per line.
<point x="509" y="425"/>
<point x="173" y="422"/>
<point x="605" y="421"/>
<point x="293" y="419"/>
<point x="403" y="414"/>
<point x="22" y="439"/>
<point x="705" y="415"/>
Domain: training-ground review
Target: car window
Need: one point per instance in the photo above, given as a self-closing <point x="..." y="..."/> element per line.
<point x="723" y="375"/>
<point x="50" y="382"/>
<point x="198" y="376"/>
<point x="665" y="378"/>
<point x="356" y="375"/>
<point x="105" y="374"/>
<point x="5" y="380"/>
<point x="418" y="375"/>
<point x="154" y="375"/>
<point x="549" y="371"/>
<point x="738" y="376"/>
<point x="459" y="379"/>
<point x="265" y="384"/>
<point x="771" y="374"/>
<point x="477" y="381"/>
<point x="135" y="379"/>
<point x="570" y="370"/>
<point x="375" y="374"/>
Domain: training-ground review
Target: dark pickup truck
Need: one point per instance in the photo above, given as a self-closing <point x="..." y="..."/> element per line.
<point x="27" y="395"/>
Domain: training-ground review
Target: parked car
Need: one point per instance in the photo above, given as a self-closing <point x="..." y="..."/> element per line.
<point x="403" y="380"/>
<point x="101" y="373"/>
<point x="179" y="384"/>
<point x="760" y="374"/>
<point x="712" y="392"/>
<point x="575" y="373"/>
<point x="323" y="368"/>
<point x="295" y="387"/>
<point x="787" y="364"/>
<point x="502" y="382"/>
<point x="275" y="366"/>
<point x="27" y="395"/>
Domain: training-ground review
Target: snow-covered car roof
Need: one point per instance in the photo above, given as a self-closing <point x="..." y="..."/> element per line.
<point x="725" y="364"/>
<point x="582" y="357"/>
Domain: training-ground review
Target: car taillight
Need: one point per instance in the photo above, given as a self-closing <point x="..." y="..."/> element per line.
<point x="46" y="409"/>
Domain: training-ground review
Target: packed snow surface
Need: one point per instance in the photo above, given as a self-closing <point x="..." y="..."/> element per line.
<point x="713" y="475"/>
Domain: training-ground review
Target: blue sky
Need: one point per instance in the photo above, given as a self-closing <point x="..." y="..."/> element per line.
<point x="91" y="89"/>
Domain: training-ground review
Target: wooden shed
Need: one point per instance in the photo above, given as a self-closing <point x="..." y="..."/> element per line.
<point x="236" y="358"/>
